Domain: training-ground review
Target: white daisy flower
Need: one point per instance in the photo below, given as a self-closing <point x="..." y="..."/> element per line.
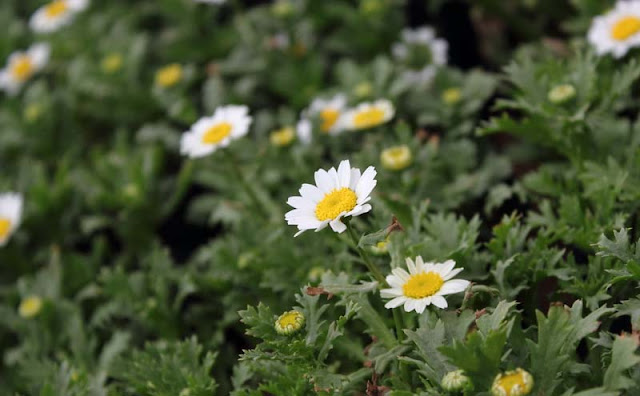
<point x="21" y="66"/>
<point x="56" y="14"/>
<point x="421" y="52"/>
<point x="423" y="285"/>
<point x="303" y="130"/>
<point x="618" y="30"/>
<point x="367" y="115"/>
<point x="329" y="112"/>
<point x="10" y="215"/>
<point x="227" y="124"/>
<point x="337" y="194"/>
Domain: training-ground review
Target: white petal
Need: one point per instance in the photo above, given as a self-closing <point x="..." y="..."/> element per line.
<point x="366" y="184"/>
<point x="421" y="305"/>
<point x="311" y="192"/>
<point x="410" y="305"/>
<point x="452" y="273"/>
<point x="337" y="225"/>
<point x="344" y="173"/>
<point x="446" y="267"/>
<point x="439" y="301"/>
<point x="390" y="293"/>
<point x="453" y="286"/>
<point x="323" y="181"/>
<point x="396" y="302"/>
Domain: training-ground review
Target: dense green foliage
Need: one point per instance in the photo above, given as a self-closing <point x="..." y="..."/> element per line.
<point x="164" y="275"/>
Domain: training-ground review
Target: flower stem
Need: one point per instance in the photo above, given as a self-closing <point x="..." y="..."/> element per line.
<point x="365" y="257"/>
<point x="245" y="184"/>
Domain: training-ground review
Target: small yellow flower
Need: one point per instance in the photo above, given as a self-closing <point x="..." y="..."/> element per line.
<point x="169" y="75"/>
<point x="111" y="63"/>
<point x="363" y="89"/>
<point x="289" y="322"/>
<point x="30" y="307"/>
<point x="451" y="96"/>
<point x="512" y="383"/>
<point x="561" y="93"/>
<point x="396" y="158"/>
<point x="282" y="137"/>
<point x="455" y="381"/>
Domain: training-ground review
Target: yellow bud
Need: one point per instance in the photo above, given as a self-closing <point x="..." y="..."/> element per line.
<point x="282" y="137"/>
<point x="561" y="93"/>
<point x="289" y="322"/>
<point x="30" y="307"/>
<point x="396" y="158"/>
<point x="111" y="63"/>
<point x="363" y="89"/>
<point x="451" y="96"/>
<point x="512" y="383"/>
<point x="169" y="75"/>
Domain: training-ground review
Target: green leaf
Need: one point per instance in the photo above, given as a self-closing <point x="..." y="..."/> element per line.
<point x="623" y="357"/>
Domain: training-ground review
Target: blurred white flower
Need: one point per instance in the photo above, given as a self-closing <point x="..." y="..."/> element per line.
<point x="21" y="66"/>
<point x="618" y="30"/>
<point x="304" y="131"/>
<point x="367" y="115"/>
<point x="227" y="124"/>
<point x="56" y="14"/>
<point x="338" y="193"/>
<point x="328" y="111"/>
<point x="421" y="53"/>
<point x="10" y="215"/>
<point x="423" y="285"/>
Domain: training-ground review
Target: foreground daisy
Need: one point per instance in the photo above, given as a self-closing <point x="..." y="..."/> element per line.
<point x="368" y="115"/>
<point x="10" y="215"/>
<point x="56" y="14"/>
<point x="328" y="111"/>
<point x="227" y="124"/>
<point x="21" y="66"/>
<point x="618" y="30"/>
<point x="337" y="194"/>
<point x="423" y="285"/>
<point x="421" y="53"/>
<point x="512" y="383"/>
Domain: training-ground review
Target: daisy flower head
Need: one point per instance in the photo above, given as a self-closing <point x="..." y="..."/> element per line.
<point x="517" y="382"/>
<point x="169" y="75"/>
<point x="421" y="52"/>
<point x="617" y="31"/>
<point x="56" y="14"/>
<point x="227" y="124"/>
<point x="22" y="65"/>
<point x="328" y="112"/>
<point x="10" y="215"/>
<point x="337" y="194"/>
<point x="423" y="285"/>
<point x="367" y="115"/>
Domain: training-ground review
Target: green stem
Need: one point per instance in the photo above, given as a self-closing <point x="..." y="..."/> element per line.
<point x="365" y="257"/>
<point x="243" y="181"/>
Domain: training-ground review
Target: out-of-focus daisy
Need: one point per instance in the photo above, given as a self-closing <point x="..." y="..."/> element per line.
<point x="56" y="14"/>
<point x="618" y="30"/>
<point x="10" y="215"/>
<point x="282" y="137"/>
<point x="304" y="130"/>
<point x="337" y="194"/>
<point x="367" y="115"/>
<point x="210" y="133"/>
<point x="421" y="53"/>
<point x="21" y="66"/>
<point x="328" y="111"/>
<point x="423" y="285"/>
<point x="169" y="75"/>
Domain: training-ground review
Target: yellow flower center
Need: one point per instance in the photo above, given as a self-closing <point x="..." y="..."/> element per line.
<point x="336" y="202"/>
<point x="422" y="285"/>
<point x="216" y="133"/>
<point x="368" y="118"/>
<point x="30" y="307"/>
<point x="5" y="227"/>
<point x="282" y="137"/>
<point x="329" y="118"/>
<point x="55" y="8"/>
<point x="169" y="75"/>
<point x="625" y="28"/>
<point x="22" y="68"/>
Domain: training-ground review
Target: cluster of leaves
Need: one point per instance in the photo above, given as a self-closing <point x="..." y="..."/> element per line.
<point x="164" y="276"/>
